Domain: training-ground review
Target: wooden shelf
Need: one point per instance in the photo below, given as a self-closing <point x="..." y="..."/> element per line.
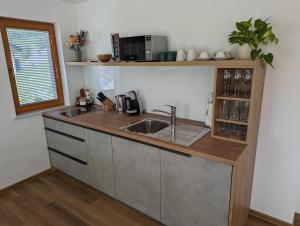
<point x="230" y="138"/>
<point x="232" y="121"/>
<point x="203" y="63"/>
<point x="232" y="98"/>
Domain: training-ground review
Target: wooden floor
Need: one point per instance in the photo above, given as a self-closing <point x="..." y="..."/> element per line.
<point x="55" y="199"/>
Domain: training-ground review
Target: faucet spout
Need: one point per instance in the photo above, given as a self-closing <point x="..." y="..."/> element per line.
<point x="173" y="120"/>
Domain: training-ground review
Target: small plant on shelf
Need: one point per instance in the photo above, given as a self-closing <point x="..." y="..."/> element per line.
<point x="253" y="36"/>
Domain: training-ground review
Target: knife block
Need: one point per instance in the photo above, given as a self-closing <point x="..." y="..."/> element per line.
<point x="108" y="105"/>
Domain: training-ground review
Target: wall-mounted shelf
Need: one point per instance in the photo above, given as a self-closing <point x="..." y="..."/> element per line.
<point x="203" y="63"/>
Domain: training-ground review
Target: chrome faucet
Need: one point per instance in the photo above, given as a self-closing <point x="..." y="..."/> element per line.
<point x="173" y="120"/>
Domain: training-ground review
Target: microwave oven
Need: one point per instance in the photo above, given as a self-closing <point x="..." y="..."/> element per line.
<point x="142" y="48"/>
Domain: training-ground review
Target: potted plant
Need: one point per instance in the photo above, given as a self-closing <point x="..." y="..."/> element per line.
<point x="251" y="36"/>
<point x="76" y="42"/>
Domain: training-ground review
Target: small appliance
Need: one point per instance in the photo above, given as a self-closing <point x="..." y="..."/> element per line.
<point x="133" y="104"/>
<point x="142" y="48"/>
<point x="120" y="103"/>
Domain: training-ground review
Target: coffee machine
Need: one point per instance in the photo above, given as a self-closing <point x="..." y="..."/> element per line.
<point x="133" y="104"/>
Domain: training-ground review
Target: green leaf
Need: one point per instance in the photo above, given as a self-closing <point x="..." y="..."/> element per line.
<point x="260" y="25"/>
<point x="255" y="53"/>
<point x="244" y="25"/>
<point x="268" y="58"/>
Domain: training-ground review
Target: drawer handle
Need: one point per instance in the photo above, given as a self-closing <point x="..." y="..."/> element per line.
<point x="64" y="134"/>
<point x="67" y="156"/>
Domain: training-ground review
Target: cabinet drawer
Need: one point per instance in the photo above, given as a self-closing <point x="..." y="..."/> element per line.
<point x="69" y="166"/>
<point x="62" y="127"/>
<point x="67" y="145"/>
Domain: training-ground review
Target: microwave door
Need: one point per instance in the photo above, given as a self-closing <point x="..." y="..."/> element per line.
<point x="137" y="48"/>
<point x="124" y="49"/>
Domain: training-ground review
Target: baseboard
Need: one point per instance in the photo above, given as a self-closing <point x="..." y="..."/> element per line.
<point x="296" y="219"/>
<point x="268" y="219"/>
<point x="28" y="179"/>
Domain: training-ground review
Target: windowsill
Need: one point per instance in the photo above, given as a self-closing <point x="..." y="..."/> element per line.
<point x="38" y="112"/>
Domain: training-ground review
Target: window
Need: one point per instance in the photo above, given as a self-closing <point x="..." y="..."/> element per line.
<point x="33" y="66"/>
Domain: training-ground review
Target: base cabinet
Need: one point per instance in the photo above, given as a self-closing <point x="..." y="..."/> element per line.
<point x="100" y="161"/>
<point x="137" y="175"/>
<point x="175" y="189"/>
<point x="194" y="191"/>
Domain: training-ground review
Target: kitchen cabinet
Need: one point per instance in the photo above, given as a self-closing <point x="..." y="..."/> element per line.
<point x="137" y="175"/>
<point x="100" y="161"/>
<point x="194" y="191"/>
<point x="171" y="186"/>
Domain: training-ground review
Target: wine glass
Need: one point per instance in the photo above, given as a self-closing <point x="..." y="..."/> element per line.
<point x="224" y="109"/>
<point x="224" y="129"/>
<point x="247" y="78"/>
<point x="227" y="77"/>
<point x="237" y="75"/>
<point x="234" y="110"/>
<point x="243" y="132"/>
<point x="244" y="111"/>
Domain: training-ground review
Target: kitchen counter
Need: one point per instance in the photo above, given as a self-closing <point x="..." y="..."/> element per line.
<point x="110" y="122"/>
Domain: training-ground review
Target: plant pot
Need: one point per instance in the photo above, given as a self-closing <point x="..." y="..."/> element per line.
<point x="77" y="55"/>
<point x="244" y="52"/>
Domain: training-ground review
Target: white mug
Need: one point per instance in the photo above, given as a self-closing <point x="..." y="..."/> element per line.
<point x="204" y="55"/>
<point x="220" y="54"/>
<point x="191" y="55"/>
<point x="181" y="55"/>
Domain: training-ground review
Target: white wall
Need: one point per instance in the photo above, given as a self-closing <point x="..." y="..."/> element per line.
<point x="205" y="24"/>
<point x="23" y="150"/>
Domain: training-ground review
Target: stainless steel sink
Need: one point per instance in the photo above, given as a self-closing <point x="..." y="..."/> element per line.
<point x="147" y="126"/>
<point x="186" y="135"/>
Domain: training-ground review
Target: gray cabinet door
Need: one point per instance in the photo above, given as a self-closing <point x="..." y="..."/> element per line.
<point x="194" y="191"/>
<point x="137" y="175"/>
<point x="100" y="163"/>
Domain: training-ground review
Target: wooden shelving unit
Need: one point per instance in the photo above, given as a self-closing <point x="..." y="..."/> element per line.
<point x="255" y="99"/>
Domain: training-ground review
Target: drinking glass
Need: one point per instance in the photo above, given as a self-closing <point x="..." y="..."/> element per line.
<point x="244" y="111"/>
<point x="234" y="130"/>
<point x="227" y="77"/>
<point x="224" y="128"/>
<point x="234" y="111"/>
<point x="247" y="78"/>
<point x="243" y="132"/>
<point x="237" y="75"/>
<point x="224" y="109"/>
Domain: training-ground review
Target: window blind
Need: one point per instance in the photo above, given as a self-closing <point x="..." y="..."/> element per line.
<point x="32" y="65"/>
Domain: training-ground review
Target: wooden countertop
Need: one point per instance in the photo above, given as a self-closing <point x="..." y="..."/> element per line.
<point x="110" y="122"/>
